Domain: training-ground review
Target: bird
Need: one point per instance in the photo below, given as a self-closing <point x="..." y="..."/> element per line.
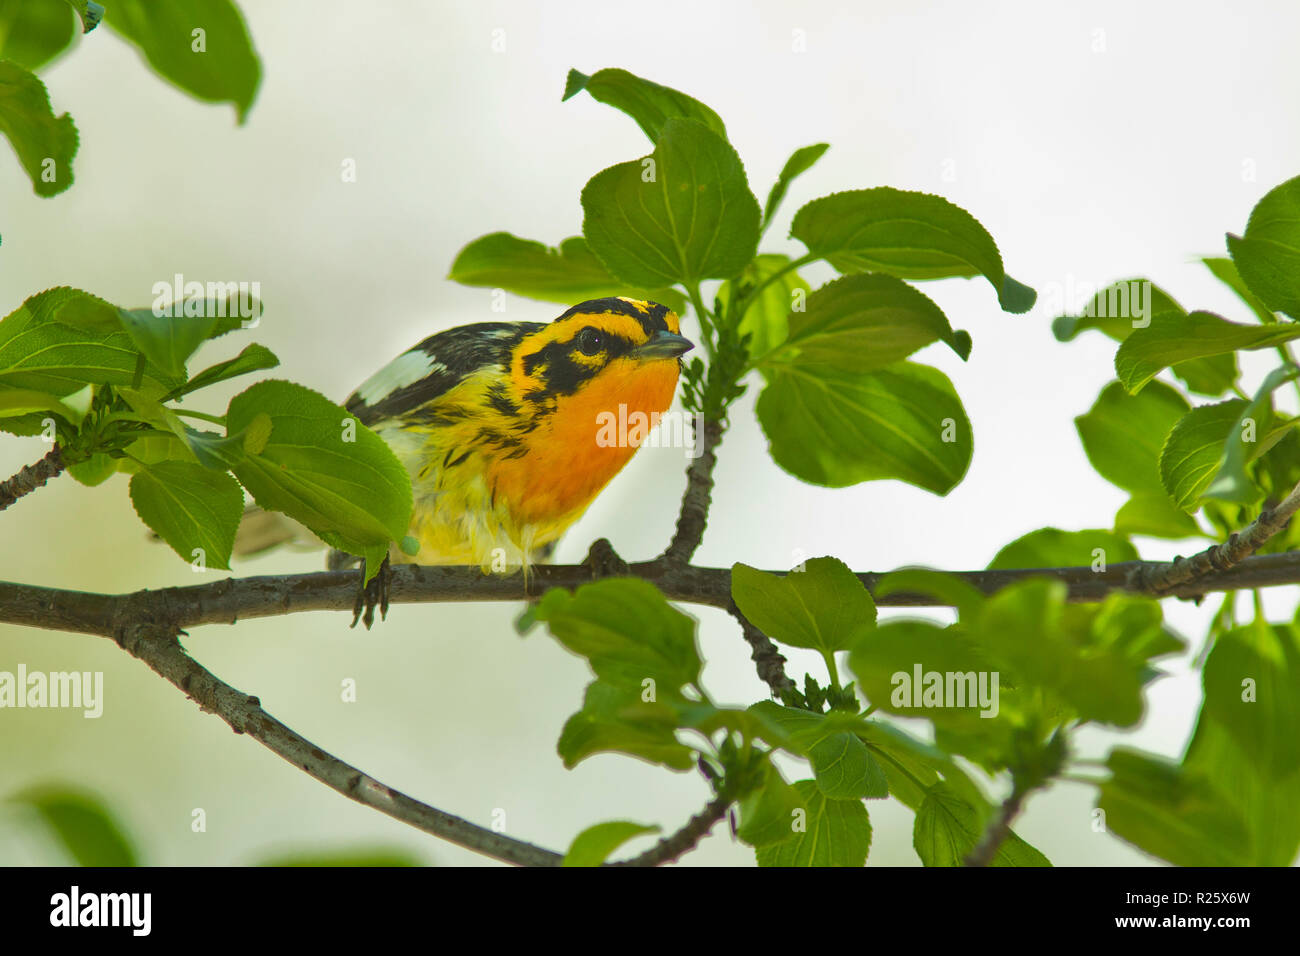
<point x="498" y="425"/>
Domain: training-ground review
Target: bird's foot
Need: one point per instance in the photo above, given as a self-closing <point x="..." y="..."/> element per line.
<point x="372" y="595"/>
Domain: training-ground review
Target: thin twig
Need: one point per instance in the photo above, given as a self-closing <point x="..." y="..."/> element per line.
<point x="769" y="661"/>
<point x="998" y="830"/>
<point x="31" y="477"/>
<point x="158" y="646"/>
<point x="1221" y="557"/>
<point x="694" y="514"/>
<point x="697" y="828"/>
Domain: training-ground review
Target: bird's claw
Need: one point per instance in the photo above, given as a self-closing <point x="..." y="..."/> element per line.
<point x="372" y="595"/>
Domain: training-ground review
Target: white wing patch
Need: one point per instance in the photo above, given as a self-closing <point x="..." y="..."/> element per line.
<point x="407" y="369"/>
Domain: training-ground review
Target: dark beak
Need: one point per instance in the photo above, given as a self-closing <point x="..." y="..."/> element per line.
<point x="663" y="345"/>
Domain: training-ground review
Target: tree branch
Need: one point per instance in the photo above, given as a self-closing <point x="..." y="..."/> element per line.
<point x="230" y="599"/>
<point x="31" y="477"/>
<point x="769" y="661"/>
<point x="684" y="840"/>
<point x="1221" y="557"/>
<point x="998" y="830"/>
<point x="157" y="645"/>
<point x="694" y="515"/>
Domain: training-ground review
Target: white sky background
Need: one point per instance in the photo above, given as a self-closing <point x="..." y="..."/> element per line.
<point x="1095" y="142"/>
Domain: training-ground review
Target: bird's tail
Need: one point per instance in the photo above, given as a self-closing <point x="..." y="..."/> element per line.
<point x="260" y="531"/>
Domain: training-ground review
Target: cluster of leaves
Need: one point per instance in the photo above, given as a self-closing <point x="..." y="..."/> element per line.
<point x="1231" y="799"/>
<point x="174" y="38"/>
<point x="1058" y="667"/>
<point x="841" y="404"/>
<point x="109" y="385"/>
<point x="1224" y="458"/>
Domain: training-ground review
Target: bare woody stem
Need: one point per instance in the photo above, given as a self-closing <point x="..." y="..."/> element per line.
<point x="31" y="477"/>
<point x="1221" y="557"/>
<point x="998" y="830"/>
<point x="694" y="515"/>
<point x="158" y="647"/>
<point x="685" y="839"/>
<point x="227" y="600"/>
<point x="769" y="661"/>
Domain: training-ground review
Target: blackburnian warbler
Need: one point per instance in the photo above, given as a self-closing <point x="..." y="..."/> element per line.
<point x="497" y="424"/>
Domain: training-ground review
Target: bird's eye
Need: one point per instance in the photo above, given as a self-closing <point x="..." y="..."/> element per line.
<point x="590" y="342"/>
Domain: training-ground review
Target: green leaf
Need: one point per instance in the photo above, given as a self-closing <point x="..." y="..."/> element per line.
<point x="790" y="726"/>
<point x="911" y="235"/>
<point x="766" y="319"/>
<point x="33" y="32"/>
<point x="1210" y="376"/>
<point x="362" y="857"/>
<point x="593" y="846"/>
<point x="1194" y="450"/>
<point x="1207" y="451"/>
<point x="800" y="161"/>
<point x="617" y="720"/>
<point x="769" y="814"/>
<point x="568" y="274"/>
<point x="845" y="770"/>
<point x="1154" y="515"/>
<point x="1268" y="256"/>
<point x="22" y="401"/>
<point x="1125" y="306"/>
<point x="650" y="104"/>
<point x="1265" y="804"/>
<point x="1225" y="270"/>
<point x="1251" y="679"/>
<point x="823" y="607"/>
<point x="894" y="666"/>
<point x="1195" y="335"/>
<point x="45" y="144"/>
<point x="217" y="65"/>
<point x="682" y="215"/>
<point x="947" y="588"/>
<point x="911" y="766"/>
<point x="947" y="829"/>
<point x="166" y="341"/>
<point x="95" y="470"/>
<point x="323" y="468"/>
<point x="42" y="352"/>
<point x="627" y="631"/>
<point x="836" y="428"/>
<point x="1254" y="433"/>
<point x="192" y="508"/>
<point x="1052" y="547"/>
<point x="1173" y="813"/>
<point x="861" y="323"/>
<point x="253" y="358"/>
<point x="834" y="833"/>
<point x="82" y="824"/>
<point x="1027" y="630"/>
<point x="89" y="12"/>
<point x="1123" y="434"/>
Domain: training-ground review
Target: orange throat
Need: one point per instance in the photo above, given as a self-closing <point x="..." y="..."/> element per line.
<point x="585" y="442"/>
